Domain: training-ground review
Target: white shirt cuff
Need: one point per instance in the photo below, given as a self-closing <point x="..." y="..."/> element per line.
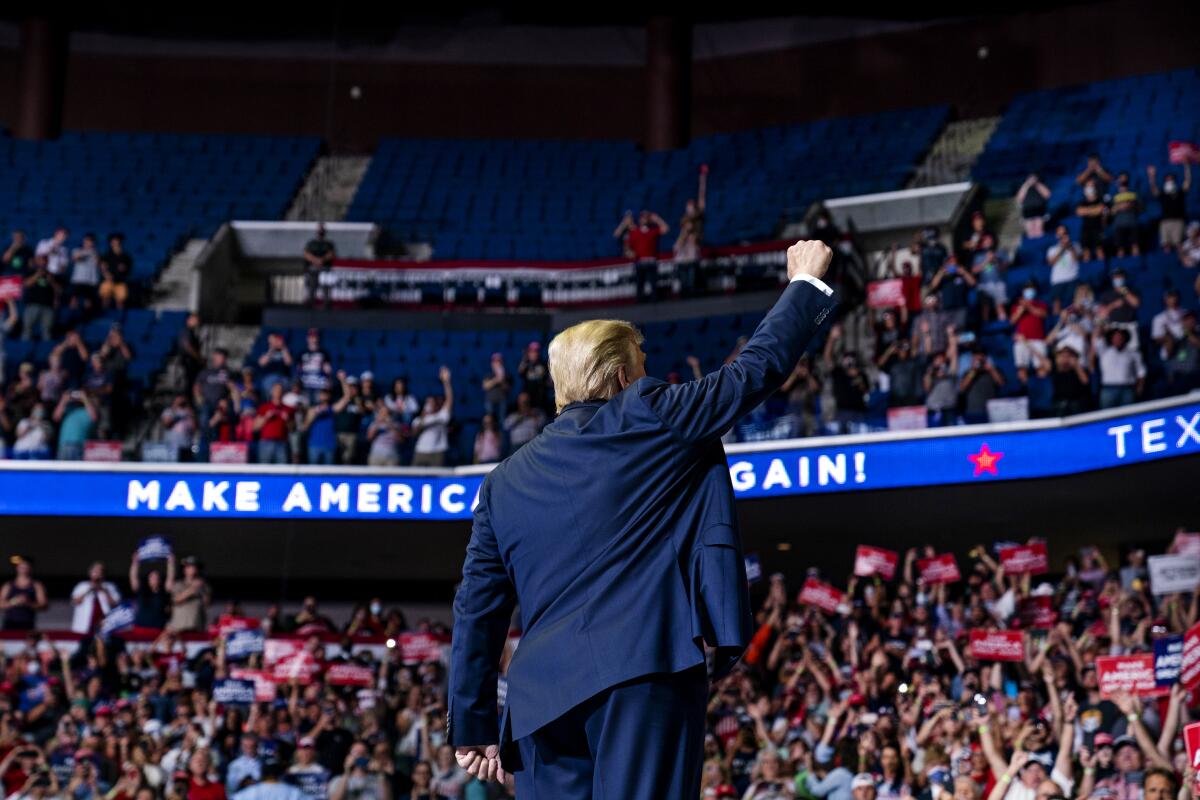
<point x="817" y="282"/>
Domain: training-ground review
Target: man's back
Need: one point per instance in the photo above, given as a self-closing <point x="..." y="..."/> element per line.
<point x="591" y="551"/>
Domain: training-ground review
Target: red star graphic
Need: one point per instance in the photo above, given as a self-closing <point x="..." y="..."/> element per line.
<point x="985" y="460"/>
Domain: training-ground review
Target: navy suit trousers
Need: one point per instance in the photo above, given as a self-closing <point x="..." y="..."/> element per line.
<point x="638" y="740"/>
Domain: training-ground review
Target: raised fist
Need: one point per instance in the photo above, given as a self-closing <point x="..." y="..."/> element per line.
<point x="808" y="258"/>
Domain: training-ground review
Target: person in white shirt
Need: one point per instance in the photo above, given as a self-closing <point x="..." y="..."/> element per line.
<point x="432" y="426"/>
<point x="1063" y="258"/>
<point x="93" y="599"/>
<point x="1122" y="372"/>
<point x="54" y="251"/>
<point x="85" y="273"/>
<point x="1168" y="322"/>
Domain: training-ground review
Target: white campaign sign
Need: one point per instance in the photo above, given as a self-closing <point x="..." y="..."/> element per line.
<point x="1175" y="573"/>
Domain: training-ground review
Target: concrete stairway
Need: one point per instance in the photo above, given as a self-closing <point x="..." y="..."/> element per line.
<point x="329" y="188"/>
<point x="954" y="153"/>
<point x="174" y="287"/>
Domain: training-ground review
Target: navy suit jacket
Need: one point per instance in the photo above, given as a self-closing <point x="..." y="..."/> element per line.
<point x="615" y="531"/>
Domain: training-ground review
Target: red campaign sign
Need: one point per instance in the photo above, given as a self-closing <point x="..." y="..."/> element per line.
<point x="1133" y="674"/>
<point x="908" y="418"/>
<point x="1183" y="152"/>
<point x="1191" y="737"/>
<point x="1025" y="559"/>
<point x="99" y="450"/>
<point x="822" y="595"/>
<point x="418" y="647"/>
<point x="264" y="687"/>
<point x="227" y="624"/>
<point x="939" y="569"/>
<point x="228" y="453"/>
<point x="349" y="675"/>
<point x="887" y="293"/>
<point x="1189" y="669"/>
<point x="998" y="645"/>
<point x="301" y="668"/>
<point x="10" y="288"/>
<point x="870" y="561"/>
<point x="276" y="650"/>
<point x="1037" y="612"/>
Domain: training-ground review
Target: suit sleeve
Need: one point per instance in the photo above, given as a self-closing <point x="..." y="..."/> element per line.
<point x="706" y="408"/>
<point x="483" y="607"/>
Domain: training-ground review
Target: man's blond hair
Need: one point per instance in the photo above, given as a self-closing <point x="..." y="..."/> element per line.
<point x="584" y="359"/>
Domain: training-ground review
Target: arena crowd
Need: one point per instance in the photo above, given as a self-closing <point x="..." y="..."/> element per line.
<point x="871" y="692"/>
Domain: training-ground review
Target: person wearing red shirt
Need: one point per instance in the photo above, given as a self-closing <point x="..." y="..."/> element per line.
<point x="640" y="242"/>
<point x="200" y="785"/>
<point x="1028" y="317"/>
<point x="273" y="421"/>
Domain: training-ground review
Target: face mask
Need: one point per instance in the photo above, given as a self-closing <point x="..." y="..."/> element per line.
<point x="1169" y="187"/>
<point x="1118" y="283"/>
<point x="1089" y="193"/>
<point x="376" y="608"/>
<point x="33" y="668"/>
<point x="1029" y="294"/>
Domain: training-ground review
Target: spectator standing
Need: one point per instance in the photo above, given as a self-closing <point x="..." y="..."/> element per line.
<point x="1122" y="372"/>
<point x="524" y="423"/>
<point x="40" y="295"/>
<point x="495" y="388"/>
<point x="22" y="394"/>
<point x="432" y="427"/>
<point x="93" y="599"/>
<point x="850" y="386"/>
<point x="1092" y="212"/>
<point x="953" y="285"/>
<point x="153" y="599"/>
<point x="1063" y="258"/>
<point x="1181" y="356"/>
<point x="489" y="444"/>
<point x="686" y="250"/>
<point x="1119" y="305"/>
<point x="535" y="377"/>
<point x="223" y="422"/>
<point x="22" y="597"/>
<point x="116" y="266"/>
<point x="213" y="383"/>
<point x="403" y="405"/>
<point x="307" y="774"/>
<point x="116" y="356"/>
<point x="1172" y="199"/>
<point x="929" y="328"/>
<point x="803" y="391"/>
<point x="76" y="417"/>
<point x="54" y="255"/>
<point x="1167" y="323"/>
<point x="1033" y="199"/>
<point x="1028" y="317"/>
<point x="85" y="275"/>
<point x="34" y="435"/>
<point x="1125" y="208"/>
<point x="640" y="240"/>
<point x="1094" y="171"/>
<point x="7" y="323"/>
<point x="319" y="254"/>
<point x="272" y="422"/>
<point x="275" y="365"/>
<point x="941" y="385"/>
<point x="178" y="422"/>
<point x="348" y="417"/>
<point x="905" y="374"/>
<point x="319" y="425"/>
<point x="981" y="383"/>
<point x="18" y="256"/>
<point x="190" y="354"/>
<point x="1189" y="251"/>
<point x="73" y="355"/>
<point x="98" y="384"/>
<point x="189" y="599"/>
<point x="1072" y="393"/>
<point x="316" y="368"/>
<point x="384" y="436"/>
<point x="980" y="240"/>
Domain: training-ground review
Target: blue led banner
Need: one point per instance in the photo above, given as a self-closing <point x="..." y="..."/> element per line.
<point x="978" y="454"/>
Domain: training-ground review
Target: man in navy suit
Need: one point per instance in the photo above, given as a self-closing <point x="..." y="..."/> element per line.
<point x="615" y="533"/>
